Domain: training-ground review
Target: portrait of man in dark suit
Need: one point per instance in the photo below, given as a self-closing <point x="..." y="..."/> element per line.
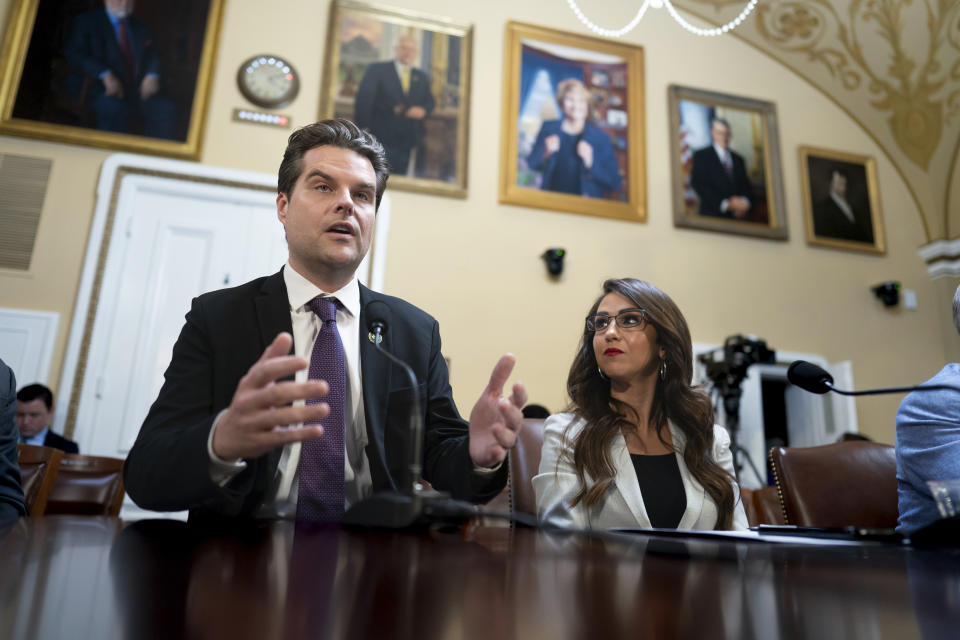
<point x="128" y="74"/>
<point x="406" y="79"/>
<point x="115" y="63"/>
<point x="837" y="216"/>
<point x="719" y="176"/>
<point x="392" y="101"/>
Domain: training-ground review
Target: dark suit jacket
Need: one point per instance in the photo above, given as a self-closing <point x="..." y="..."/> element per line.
<point x="11" y="493"/>
<point x="59" y="442"/>
<point x="712" y="183"/>
<point x="379" y="93"/>
<point x="226" y="331"/>
<point x="603" y="175"/>
<point x="92" y="48"/>
<point x="829" y="221"/>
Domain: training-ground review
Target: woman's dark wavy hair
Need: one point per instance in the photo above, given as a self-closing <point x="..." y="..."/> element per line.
<point x="689" y="408"/>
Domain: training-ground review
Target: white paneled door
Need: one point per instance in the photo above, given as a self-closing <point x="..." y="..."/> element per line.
<point x="172" y="241"/>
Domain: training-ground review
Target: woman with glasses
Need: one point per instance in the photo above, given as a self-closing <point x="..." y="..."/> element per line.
<point x="638" y="447"/>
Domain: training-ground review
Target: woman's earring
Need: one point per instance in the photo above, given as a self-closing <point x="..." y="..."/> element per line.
<point x="600" y="371"/>
<point x="663" y="369"/>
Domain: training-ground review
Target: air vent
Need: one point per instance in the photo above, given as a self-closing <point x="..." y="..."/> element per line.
<point x="23" y="186"/>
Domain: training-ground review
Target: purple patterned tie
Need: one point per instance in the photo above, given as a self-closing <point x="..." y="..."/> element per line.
<point x="320" y="490"/>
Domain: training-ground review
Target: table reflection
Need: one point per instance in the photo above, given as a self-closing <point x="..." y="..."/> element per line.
<point x="68" y="577"/>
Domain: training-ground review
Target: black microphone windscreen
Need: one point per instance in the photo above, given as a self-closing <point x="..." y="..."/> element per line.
<point x="378" y="314"/>
<point x="809" y="377"/>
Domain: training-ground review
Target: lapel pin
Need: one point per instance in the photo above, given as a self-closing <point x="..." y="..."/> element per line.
<point x="371" y="337"/>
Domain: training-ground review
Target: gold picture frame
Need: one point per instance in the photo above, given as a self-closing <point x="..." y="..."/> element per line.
<point x="841" y="203"/>
<point x="543" y="162"/>
<point x="55" y="58"/>
<point x="741" y="193"/>
<point x="424" y="126"/>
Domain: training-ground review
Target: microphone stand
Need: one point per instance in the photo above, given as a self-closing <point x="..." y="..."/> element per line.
<point x="414" y="503"/>
<point x="730" y="391"/>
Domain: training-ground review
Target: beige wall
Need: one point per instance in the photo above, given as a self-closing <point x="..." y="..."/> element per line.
<point x="474" y="263"/>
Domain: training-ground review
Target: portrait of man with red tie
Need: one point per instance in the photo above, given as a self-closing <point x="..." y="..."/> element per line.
<point x="118" y="54"/>
<point x="126" y="74"/>
<point x="276" y="403"/>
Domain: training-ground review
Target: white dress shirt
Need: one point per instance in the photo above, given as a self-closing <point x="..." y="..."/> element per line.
<point x="844" y="207"/>
<point x="282" y="502"/>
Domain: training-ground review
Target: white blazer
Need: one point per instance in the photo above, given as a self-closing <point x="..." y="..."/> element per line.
<point x="622" y="505"/>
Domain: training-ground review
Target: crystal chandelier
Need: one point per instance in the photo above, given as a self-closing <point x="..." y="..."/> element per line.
<point x="657" y="4"/>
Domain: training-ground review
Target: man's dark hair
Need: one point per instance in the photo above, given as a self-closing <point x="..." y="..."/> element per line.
<point x="33" y="391"/>
<point x="340" y="133"/>
<point x="535" y="412"/>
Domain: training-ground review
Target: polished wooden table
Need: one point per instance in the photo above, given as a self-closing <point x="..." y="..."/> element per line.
<point x="90" y="577"/>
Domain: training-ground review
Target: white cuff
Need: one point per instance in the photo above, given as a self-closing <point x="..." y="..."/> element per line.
<point x="221" y="471"/>
<point x="485" y="471"/>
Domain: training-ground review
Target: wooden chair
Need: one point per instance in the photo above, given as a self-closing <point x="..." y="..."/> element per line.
<point x="837" y="485"/>
<point x="524" y="464"/>
<point x="87" y="485"/>
<point x="38" y="468"/>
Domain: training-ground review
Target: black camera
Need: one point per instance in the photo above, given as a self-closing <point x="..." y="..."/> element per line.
<point x="554" y="260"/>
<point x="739" y="352"/>
<point x="888" y="292"/>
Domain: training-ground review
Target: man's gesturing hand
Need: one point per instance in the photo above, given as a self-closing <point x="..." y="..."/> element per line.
<point x="257" y="418"/>
<point x="495" y="421"/>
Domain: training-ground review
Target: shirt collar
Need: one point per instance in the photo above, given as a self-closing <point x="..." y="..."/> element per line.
<point x="723" y="153"/>
<point x="38" y="438"/>
<point x="300" y="291"/>
<point x="114" y="20"/>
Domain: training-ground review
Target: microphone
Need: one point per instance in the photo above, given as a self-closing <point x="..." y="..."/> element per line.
<point x="814" y="379"/>
<point x="378" y="319"/>
<point x="413" y="503"/>
<point x="809" y="377"/>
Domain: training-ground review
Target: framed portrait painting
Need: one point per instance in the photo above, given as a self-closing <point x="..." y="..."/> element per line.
<point x="725" y="156"/>
<point x="110" y="73"/>
<point x="405" y="77"/>
<point x="841" y="207"/>
<point x="573" y="124"/>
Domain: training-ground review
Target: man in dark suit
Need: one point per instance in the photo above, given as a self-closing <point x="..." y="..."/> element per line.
<point x="216" y="440"/>
<point x="392" y="100"/>
<point x="835" y="218"/>
<point x="117" y="56"/>
<point x="34" y="417"/>
<point x="719" y="176"/>
<point x="11" y="492"/>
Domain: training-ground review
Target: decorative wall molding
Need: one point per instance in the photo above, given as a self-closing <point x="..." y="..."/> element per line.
<point x="942" y="258"/>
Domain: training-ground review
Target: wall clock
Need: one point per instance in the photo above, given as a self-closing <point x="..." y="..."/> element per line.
<point x="268" y="81"/>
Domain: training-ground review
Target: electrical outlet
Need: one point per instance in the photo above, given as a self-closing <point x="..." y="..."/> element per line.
<point x="910" y="299"/>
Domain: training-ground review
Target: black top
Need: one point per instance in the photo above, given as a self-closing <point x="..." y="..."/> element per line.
<point x="662" y="488"/>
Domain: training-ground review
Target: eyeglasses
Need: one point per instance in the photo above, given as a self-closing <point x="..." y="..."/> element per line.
<point x="628" y="319"/>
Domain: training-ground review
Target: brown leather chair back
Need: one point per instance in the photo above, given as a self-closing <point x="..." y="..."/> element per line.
<point x="766" y="506"/>
<point x="837" y="485"/>
<point x="524" y="464"/>
<point x="38" y="468"/>
<point x="87" y="485"/>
